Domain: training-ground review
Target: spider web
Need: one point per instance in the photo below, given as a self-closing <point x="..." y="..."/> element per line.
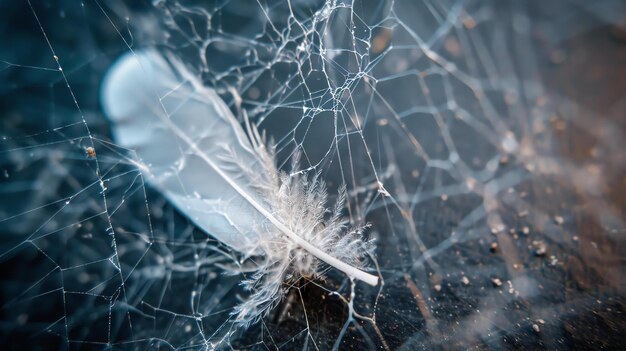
<point x="491" y="190"/>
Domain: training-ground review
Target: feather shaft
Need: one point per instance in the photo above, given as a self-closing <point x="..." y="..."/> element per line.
<point x="250" y="143"/>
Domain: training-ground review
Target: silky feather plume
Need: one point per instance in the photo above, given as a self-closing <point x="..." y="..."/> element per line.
<point x="193" y="150"/>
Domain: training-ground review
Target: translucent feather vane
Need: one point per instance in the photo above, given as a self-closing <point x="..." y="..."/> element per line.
<point x="224" y="178"/>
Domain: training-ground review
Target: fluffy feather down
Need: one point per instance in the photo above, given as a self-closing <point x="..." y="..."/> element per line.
<point x="225" y="179"/>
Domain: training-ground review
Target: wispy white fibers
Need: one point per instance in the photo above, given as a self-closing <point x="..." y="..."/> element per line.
<point x="224" y="178"/>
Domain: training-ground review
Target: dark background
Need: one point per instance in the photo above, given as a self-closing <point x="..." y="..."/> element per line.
<point x="59" y="285"/>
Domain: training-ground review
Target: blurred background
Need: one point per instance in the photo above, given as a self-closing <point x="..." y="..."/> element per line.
<point x="483" y="140"/>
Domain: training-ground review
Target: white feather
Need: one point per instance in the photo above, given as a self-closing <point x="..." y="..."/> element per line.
<point x="195" y="152"/>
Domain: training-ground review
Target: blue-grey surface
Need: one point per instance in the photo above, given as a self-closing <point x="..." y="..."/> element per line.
<point x="482" y="140"/>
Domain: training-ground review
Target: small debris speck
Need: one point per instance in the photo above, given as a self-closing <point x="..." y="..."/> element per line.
<point x="536" y="328"/>
<point x="493" y="247"/>
<point x="465" y="280"/>
<point x="553" y="260"/>
<point x="91" y="152"/>
<point x="496" y="282"/>
<point x="541" y="251"/>
<point x="541" y="248"/>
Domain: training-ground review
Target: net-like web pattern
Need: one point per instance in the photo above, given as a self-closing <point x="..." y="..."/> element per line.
<point x="489" y="230"/>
